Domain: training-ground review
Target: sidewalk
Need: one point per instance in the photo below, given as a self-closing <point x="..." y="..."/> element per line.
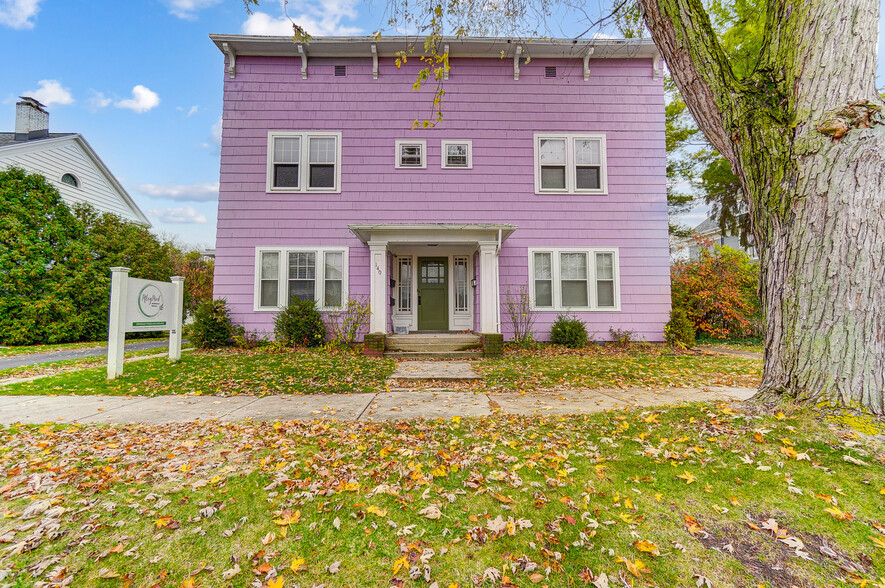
<point x="392" y="405"/>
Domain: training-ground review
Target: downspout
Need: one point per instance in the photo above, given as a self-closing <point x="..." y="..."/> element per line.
<point x="498" y="280"/>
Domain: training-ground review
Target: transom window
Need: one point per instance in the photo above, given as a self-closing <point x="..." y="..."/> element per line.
<point x="574" y="279"/>
<point x="286" y="273"/>
<point x="70" y="180"/>
<point x="570" y="163"/>
<point x="457" y="154"/>
<point x="411" y="154"/>
<point x="304" y="161"/>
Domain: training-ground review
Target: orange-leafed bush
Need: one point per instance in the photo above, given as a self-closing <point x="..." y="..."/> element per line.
<point x="718" y="293"/>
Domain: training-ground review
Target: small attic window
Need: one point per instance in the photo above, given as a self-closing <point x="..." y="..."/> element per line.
<point x="340" y="71"/>
<point x="70" y="180"/>
<point x="550" y="71"/>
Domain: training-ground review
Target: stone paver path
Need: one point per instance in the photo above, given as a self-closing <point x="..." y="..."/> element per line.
<point x="434" y="403"/>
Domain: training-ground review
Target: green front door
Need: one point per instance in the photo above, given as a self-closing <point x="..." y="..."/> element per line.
<point x="433" y="294"/>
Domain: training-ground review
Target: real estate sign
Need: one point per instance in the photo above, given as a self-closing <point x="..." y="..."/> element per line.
<point x="139" y="306"/>
<point x="149" y="307"/>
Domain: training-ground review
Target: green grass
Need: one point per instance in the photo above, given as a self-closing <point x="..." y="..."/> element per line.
<point x="324" y="492"/>
<point x="754" y="344"/>
<point x="79" y="363"/>
<point x="608" y="366"/>
<point x="225" y="372"/>
<point x="11" y="351"/>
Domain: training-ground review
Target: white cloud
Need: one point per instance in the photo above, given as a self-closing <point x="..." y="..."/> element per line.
<point x="318" y="18"/>
<point x="193" y="110"/>
<point x="205" y="192"/>
<point x="184" y="215"/>
<point x="216" y="132"/>
<point x="17" y="14"/>
<point x="143" y="99"/>
<point x="98" y="100"/>
<point x="51" y="92"/>
<point x="187" y="9"/>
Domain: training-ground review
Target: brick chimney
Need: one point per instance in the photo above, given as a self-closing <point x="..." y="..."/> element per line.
<point x="31" y="119"/>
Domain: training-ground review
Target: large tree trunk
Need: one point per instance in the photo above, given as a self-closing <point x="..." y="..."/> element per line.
<point x="805" y="134"/>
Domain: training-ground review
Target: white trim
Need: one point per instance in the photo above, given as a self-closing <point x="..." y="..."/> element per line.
<point x="591" y="278"/>
<point x="570" y="167"/>
<point x="443" y="157"/>
<point x="283" y="277"/>
<point x="303" y="162"/>
<point x="398" y="155"/>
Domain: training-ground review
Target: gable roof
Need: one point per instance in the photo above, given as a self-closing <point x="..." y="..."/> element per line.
<point x="710" y="225"/>
<point x="10" y="147"/>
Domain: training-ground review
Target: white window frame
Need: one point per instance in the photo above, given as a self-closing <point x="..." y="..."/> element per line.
<point x="303" y="162"/>
<point x="570" y="167"/>
<point x="283" y="277"/>
<point x="443" y="157"/>
<point x="400" y="143"/>
<point x="591" y="278"/>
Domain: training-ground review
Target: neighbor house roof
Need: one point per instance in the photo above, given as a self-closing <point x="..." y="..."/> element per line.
<point x="9" y="148"/>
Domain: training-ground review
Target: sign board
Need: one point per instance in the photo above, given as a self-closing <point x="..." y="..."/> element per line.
<point x="149" y="307"/>
<point x="138" y="306"/>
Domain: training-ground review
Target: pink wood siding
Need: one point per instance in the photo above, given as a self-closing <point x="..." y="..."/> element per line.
<point x="483" y="103"/>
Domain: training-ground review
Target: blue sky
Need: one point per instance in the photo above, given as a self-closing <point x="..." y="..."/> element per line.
<point x="140" y="80"/>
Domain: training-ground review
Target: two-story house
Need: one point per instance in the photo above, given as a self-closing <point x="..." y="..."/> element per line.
<point x="547" y="172"/>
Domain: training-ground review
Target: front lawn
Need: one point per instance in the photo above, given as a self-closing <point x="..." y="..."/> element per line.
<point x="698" y="495"/>
<point x="58" y="367"/>
<point x="225" y="372"/>
<point x="613" y="367"/>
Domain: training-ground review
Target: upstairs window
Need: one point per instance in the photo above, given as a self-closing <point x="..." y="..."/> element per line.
<point x="570" y="164"/>
<point x="304" y="161"/>
<point x="457" y="154"/>
<point x="70" y="180"/>
<point x="411" y="154"/>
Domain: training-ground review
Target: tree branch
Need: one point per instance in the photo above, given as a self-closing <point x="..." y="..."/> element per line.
<point x="699" y="66"/>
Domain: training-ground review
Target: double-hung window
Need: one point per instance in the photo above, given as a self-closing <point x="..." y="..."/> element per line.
<point x="411" y="154"/>
<point x="570" y="163"/>
<point x="304" y="161"/>
<point x="574" y="279"/>
<point x="306" y="273"/>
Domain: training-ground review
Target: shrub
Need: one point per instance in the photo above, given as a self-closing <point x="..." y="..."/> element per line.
<point x="518" y="307"/>
<point x="347" y="325"/>
<point x="621" y="337"/>
<point x="244" y="339"/>
<point x="717" y="291"/>
<point x="212" y="326"/>
<point x="569" y="331"/>
<point x="679" y="331"/>
<point x="300" y="324"/>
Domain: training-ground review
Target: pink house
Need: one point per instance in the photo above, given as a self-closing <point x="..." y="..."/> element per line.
<point x="547" y="173"/>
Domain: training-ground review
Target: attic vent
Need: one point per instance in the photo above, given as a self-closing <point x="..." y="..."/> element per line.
<point x="550" y="72"/>
<point x="340" y="71"/>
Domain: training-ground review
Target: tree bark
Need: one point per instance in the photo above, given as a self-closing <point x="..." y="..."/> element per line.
<point x="804" y="132"/>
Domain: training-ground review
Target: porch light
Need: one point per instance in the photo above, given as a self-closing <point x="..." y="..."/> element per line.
<point x="473" y="282"/>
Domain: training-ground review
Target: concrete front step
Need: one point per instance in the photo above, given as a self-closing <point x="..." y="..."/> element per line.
<point x="435" y="347"/>
<point x="434" y="354"/>
<point x="432" y="342"/>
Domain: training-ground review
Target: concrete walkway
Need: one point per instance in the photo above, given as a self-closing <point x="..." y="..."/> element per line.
<point x="35" y="358"/>
<point x="429" y="404"/>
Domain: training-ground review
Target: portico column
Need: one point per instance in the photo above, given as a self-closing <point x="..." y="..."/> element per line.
<point x="378" y="287"/>
<point x="489" y="297"/>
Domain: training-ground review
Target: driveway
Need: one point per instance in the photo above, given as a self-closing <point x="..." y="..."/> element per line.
<point x="35" y="358"/>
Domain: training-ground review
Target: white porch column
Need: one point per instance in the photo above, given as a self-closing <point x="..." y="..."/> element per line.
<point x="378" y="297"/>
<point x="489" y="297"/>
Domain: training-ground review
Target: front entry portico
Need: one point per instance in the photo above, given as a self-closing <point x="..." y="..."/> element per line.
<point x="434" y="277"/>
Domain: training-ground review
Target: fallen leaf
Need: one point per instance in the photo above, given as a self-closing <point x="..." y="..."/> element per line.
<point x="647" y="547"/>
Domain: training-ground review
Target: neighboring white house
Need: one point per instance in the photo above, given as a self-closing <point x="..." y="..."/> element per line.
<point x="67" y="161"/>
<point x="707" y="232"/>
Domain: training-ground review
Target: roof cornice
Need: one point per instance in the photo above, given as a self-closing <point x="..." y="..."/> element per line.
<point x="489" y="47"/>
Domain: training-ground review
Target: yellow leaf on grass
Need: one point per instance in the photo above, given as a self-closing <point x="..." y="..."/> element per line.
<point x="780" y="416"/>
<point x="400" y="564"/>
<point x="692" y="525"/>
<point x="288" y="518"/>
<point x="297" y="565"/>
<point x="189" y="583"/>
<point x="378" y="512"/>
<point x="787" y="441"/>
<point x="839" y="515"/>
<point x="878" y="541"/>
<point x="501" y="498"/>
<point x="688" y="477"/>
<point x="647" y="547"/>
<point x="652" y="418"/>
<point x="275" y="583"/>
<point x="637" y="568"/>
<point x="789" y="452"/>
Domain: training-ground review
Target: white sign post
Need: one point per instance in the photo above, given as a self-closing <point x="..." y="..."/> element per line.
<point x="139" y="306"/>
